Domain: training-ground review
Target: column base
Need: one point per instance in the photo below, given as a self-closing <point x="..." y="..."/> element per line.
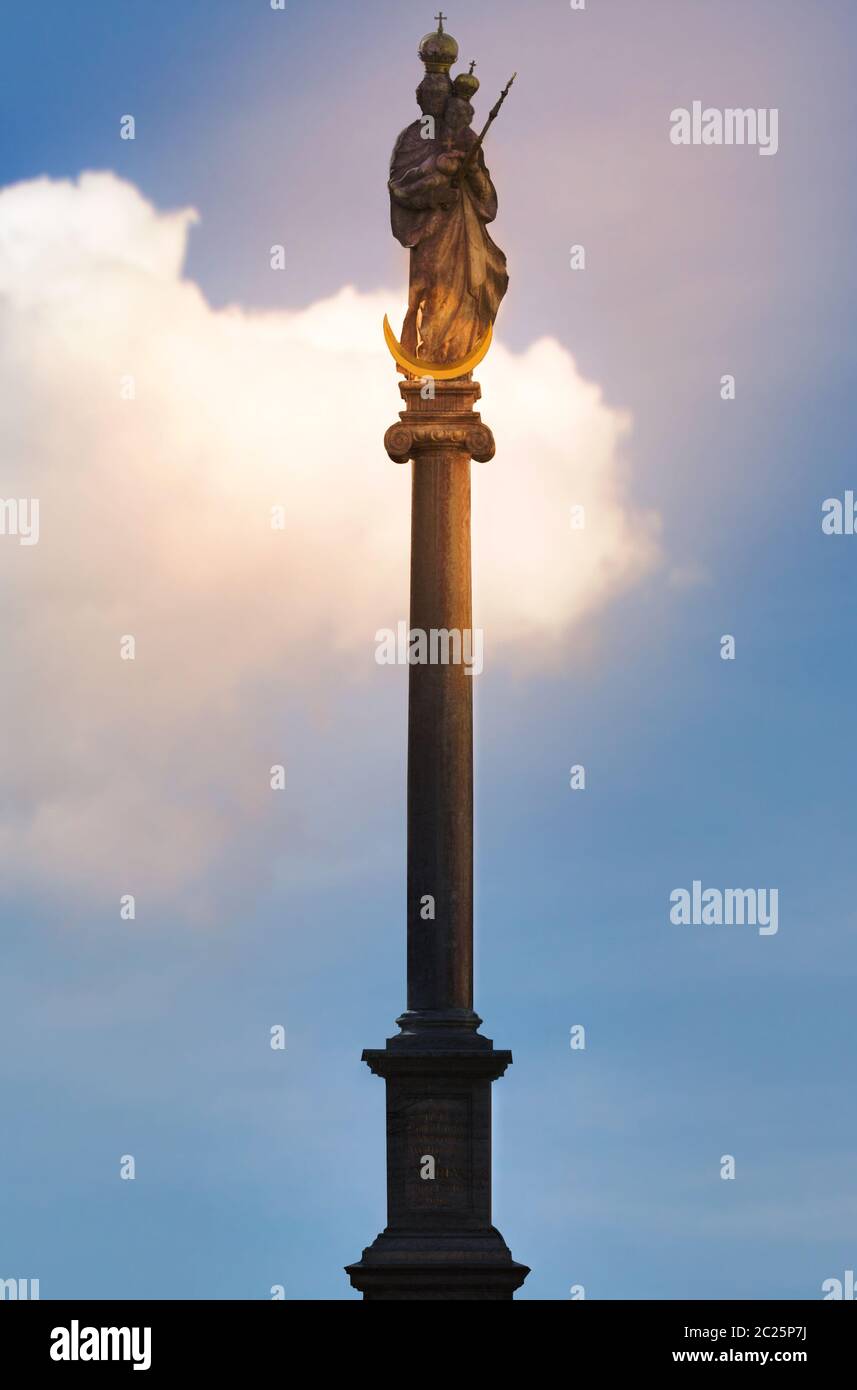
<point x="410" y="1265"/>
<point x="430" y="1031"/>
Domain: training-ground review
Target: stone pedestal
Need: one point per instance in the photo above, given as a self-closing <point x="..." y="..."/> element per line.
<point x="439" y="1242"/>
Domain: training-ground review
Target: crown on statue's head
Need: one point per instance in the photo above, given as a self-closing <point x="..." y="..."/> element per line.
<point x="439" y="50"/>
<point x="466" y="84"/>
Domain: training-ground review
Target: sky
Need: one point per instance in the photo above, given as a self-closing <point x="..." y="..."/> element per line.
<point x="149" y="261"/>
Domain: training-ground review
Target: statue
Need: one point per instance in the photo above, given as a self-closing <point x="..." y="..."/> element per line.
<point x="441" y="200"/>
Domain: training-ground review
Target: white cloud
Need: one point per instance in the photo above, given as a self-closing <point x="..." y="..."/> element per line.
<point x="155" y="521"/>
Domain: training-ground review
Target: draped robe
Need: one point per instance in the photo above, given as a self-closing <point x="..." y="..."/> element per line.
<point x="458" y="274"/>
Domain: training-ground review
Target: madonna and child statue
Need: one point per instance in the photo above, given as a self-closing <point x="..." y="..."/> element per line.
<point x="441" y="202"/>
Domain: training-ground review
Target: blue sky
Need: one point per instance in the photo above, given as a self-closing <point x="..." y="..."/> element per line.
<point x="257" y="1168"/>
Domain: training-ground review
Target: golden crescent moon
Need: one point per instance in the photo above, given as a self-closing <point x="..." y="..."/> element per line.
<point x="441" y="371"/>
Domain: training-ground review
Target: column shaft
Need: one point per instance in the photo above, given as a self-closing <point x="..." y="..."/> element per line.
<point x="440" y="739"/>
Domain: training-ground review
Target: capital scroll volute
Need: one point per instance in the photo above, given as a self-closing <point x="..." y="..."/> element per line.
<point x="408" y="441"/>
<point x="480" y="443"/>
<point x="399" y="443"/>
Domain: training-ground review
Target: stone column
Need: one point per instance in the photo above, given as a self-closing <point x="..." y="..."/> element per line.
<point x="439" y="1242"/>
<point x="441" y="435"/>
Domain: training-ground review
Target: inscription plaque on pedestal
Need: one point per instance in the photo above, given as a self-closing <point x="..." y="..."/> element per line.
<point x="439" y="1127"/>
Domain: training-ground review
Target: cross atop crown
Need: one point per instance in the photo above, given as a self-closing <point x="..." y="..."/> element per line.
<point x="466" y="84"/>
<point x="439" y="50"/>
